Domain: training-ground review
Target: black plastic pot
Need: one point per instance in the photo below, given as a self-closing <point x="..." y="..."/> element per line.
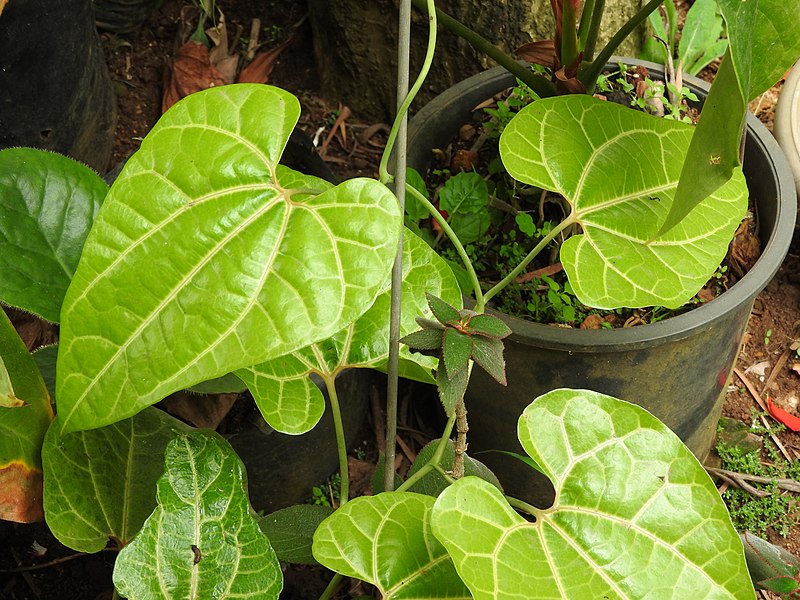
<point x="678" y="368"/>
<point x="55" y="90"/>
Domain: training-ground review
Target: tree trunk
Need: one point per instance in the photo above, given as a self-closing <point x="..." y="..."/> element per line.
<point x="355" y="44"/>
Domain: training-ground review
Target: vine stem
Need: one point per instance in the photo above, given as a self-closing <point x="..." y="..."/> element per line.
<point x="333" y="586"/>
<point x="341" y="443"/>
<point x="570" y="220"/>
<point x="402" y="112"/>
<point x="460" y="446"/>
<point x="436" y="460"/>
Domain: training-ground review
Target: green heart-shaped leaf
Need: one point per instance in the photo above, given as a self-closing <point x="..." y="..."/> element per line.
<point x="210" y="256"/>
<point x="47" y="206"/>
<point x="202" y="540"/>
<point x="618" y="169"/>
<point x="386" y="540"/>
<point x="291" y="403"/>
<point x="635" y="513"/>
<point x="101" y="484"/>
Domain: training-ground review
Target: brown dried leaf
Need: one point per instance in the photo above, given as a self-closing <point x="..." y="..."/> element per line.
<point x="190" y="71"/>
<point x="260" y="69"/>
<point x="20" y="494"/>
<point x="542" y="53"/>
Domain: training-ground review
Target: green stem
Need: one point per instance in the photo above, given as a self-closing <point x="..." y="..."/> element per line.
<point x="569" y="35"/>
<point x="383" y="170"/>
<point x="437" y="216"/>
<point x="587" y="12"/>
<point x="589" y="77"/>
<point x="333" y="586"/>
<point x="594" y="30"/>
<point x="537" y="83"/>
<point x="521" y="266"/>
<point x="523" y="506"/>
<point x="435" y="461"/>
<point x="341" y="443"/>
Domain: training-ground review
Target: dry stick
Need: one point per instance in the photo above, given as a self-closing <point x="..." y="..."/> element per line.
<point x="52" y="563"/>
<point x="760" y="401"/>
<point x="732" y="479"/>
<point x="790" y="485"/>
<point x="773" y="375"/>
<point x="252" y="44"/>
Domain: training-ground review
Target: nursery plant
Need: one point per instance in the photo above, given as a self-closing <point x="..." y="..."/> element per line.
<point x="207" y="257"/>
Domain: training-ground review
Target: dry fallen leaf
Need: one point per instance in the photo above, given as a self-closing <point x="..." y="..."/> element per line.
<point x="260" y="69"/>
<point x="189" y="72"/>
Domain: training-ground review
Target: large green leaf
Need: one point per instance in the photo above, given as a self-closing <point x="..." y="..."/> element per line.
<point x="101" y="484"/>
<point x="635" y="514"/>
<point x="292" y="403"/>
<point x="763" y="45"/>
<point x="387" y="541"/>
<point x="47" y="206"/>
<point x="291" y="531"/>
<point x="22" y="430"/>
<point x="618" y="169"/>
<point x="201" y="542"/>
<point x="208" y="256"/>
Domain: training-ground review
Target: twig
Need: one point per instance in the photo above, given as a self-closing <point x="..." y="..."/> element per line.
<point x="773" y="374"/>
<point x="790" y="485"/>
<point x="52" y="563"/>
<point x="460" y="445"/>
<point x="762" y="404"/>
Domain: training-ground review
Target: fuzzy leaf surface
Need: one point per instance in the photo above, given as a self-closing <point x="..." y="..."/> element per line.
<point x="210" y="256"/>
<point x="488" y="325"/>
<point x="488" y="354"/>
<point x="635" y="514"/>
<point x="101" y="484"/>
<point x="22" y="430"/>
<point x="48" y="203"/>
<point x="386" y="540"/>
<point x="291" y="530"/>
<point x="457" y="349"/>
<point x="201" y="542"/>
<point x="292" y="403"/>
<point x="618" y="169"/>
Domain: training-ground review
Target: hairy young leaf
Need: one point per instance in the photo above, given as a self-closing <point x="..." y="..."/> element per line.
<point x="451" y="387"/>
<point x="292" y="403"/>
<point x="618" y="169"/>
<point x="457" y="349"/>
<point x="101" y="484"/>
<point x="47" y="206"/>
<point x="22" y="430"/>
<point x="201" y="540"/>
<point x="488" y="354"/>
<point x="444" y="312"/>
<point x="386" y="540"/>
<point x="635" y="513"/>
<point x="424" y="339"/>
<point x="488" y="325"/>
<point x="208" y="256"/>
<point x="291" y="530"/>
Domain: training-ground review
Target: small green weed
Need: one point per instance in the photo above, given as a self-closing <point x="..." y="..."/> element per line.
<point x="328" y="493"/>
<point x="776" y="510"/>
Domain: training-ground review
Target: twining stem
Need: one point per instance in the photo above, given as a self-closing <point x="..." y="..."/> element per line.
<point x="383" y="171"/>
<point x="341" y="443"/>
<point x="436" y="460"/>
<point x="536" y="82"/>
<point x="567" y="222"/>
<point x="451" y="235"/>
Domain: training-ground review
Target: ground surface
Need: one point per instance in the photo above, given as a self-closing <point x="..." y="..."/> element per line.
<point x="768" y="361"/>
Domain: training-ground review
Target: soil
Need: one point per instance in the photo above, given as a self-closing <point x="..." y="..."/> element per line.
<point x="351" y="147"/>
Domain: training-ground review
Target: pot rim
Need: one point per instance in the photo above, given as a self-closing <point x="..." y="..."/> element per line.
<point x="742" y="293"/>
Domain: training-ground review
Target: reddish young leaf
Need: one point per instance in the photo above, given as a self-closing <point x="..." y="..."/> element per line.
<point x="260" y="69"/>
<point x="791" y="421"/>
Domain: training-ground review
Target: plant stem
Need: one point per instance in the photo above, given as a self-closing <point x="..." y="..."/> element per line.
<point x="523" y="506"/>
<point x="333" y="586"/>
<point x="437" y="216"/>
<point x="393" y="368"/>
<point x="537" y="83"/>
<point x="594" y="29"/>
<point x="436" y="459"/>
<point x="460" y="446"/>
<point x="402" y="112"/>
<point x="589" y="76"/>
<point x="525" y="261"/>
<point x="341" y="443"/>
<point x="587" y="14"/>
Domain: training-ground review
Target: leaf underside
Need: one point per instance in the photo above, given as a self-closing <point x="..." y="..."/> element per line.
<point x="635" y="514"/>
<point x="201" y="541"/>
<point x="618" y="169"/>
<point x="208" y="256"/>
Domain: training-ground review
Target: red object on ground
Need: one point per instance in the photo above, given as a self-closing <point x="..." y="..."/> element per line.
<point x="790" y="420"/>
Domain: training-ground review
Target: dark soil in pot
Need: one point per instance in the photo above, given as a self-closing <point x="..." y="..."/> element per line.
<point x="678" y="368"/>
